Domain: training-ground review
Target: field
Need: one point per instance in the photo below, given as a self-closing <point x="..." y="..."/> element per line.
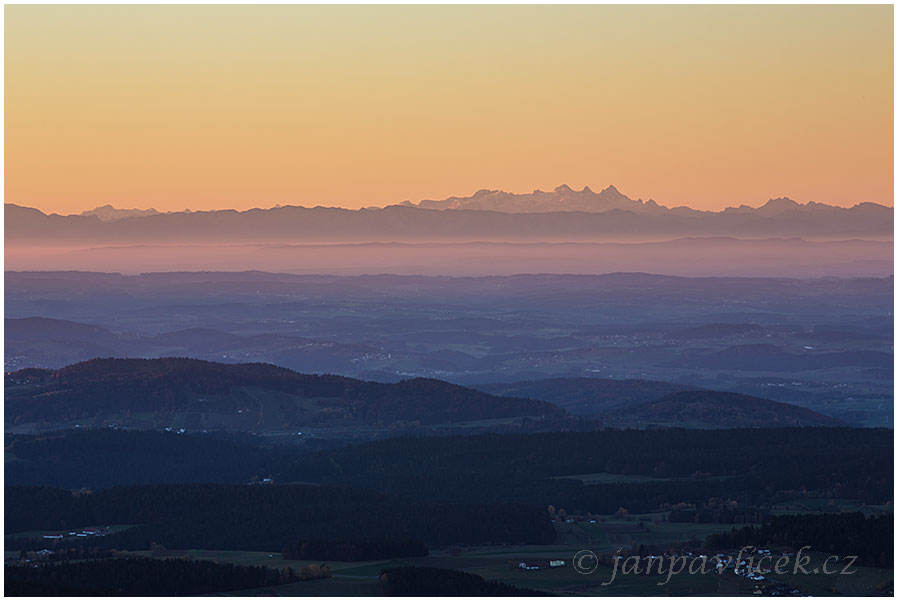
<point x="499" y="563"/>
<point x="361" y="578"/>
<point x="821" y="505"/>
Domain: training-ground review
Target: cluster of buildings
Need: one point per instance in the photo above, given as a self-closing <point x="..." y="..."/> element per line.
<point x="83" y="533"/>
<point x="543" y="564"/>
<point x="30" y="558"/>
<point x="748" y="576"/>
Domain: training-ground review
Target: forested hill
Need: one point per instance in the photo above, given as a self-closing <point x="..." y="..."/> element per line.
<point x="587" y="396"/>
<point x="714" y="409"/>
<point x="253" y="396"/>
<point x="641" y="403"/>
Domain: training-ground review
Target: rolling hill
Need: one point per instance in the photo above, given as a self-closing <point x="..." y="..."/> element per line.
<point x="586" y="396"/>
<point x="641" y="403"/>
<point x="707" y="409"/>
<point x="192" y="395"/>
<point x="261" y="398"/>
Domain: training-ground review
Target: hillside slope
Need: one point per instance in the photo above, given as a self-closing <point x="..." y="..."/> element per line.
<point x="586" y="396"/>
<point x="257" y="397"/>
<point x="714" y="409"/>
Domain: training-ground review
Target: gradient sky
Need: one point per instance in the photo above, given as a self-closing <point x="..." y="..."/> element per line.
<point x="240" y="106"/>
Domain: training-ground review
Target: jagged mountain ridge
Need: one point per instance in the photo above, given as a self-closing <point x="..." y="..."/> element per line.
<point x="561" y="199"/>
<point x="564" y="199"/>
<point x="111" y="213"/>
<point x="635" y="221"/>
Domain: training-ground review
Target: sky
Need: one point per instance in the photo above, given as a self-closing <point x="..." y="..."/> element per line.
<point x="211" y="107"/>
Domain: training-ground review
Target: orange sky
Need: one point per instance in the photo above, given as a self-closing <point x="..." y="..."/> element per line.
<point x="240" y="106"/>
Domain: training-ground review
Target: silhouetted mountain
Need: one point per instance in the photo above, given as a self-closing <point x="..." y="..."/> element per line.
<point x="713" y="409"/>
<point x="110" y="213"/>
<point x="562" y="199"/>
<point x="252" y="396"/>
<point x="487" y="215"/>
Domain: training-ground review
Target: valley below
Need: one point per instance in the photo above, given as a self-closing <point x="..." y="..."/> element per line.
<point x="253" y="433"/>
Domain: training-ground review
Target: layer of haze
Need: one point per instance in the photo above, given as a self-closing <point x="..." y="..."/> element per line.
<point x="686" y="257"/>
<point x="238" y="106"/>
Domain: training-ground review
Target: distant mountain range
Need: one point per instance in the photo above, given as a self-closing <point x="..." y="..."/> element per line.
<point x="110" y="213"/>
<point x="563" y="214"/>
<point x="564" y="199"/>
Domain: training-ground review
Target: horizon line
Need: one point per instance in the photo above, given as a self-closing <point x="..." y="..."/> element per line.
<point x="441" y="276"/>
<point x="417" y="204"/>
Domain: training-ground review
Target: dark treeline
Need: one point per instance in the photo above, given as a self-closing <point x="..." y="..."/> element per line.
<point x="753" y="467"/>
<point x="782" y="453"/>
<point x="756" y="467"/>
<point x="138" y="576"/>
<point x="573" y="495"/>
<point x="107" y="457"/>
<point x="870" y="539"/>
<point x="409" y="581"/>
<point x="264" y="517"/>
<point x="62" y="552"/>
<point x="714" y="516"/>
<point x="154" y="503"/>
<point x="354" y="549"/>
